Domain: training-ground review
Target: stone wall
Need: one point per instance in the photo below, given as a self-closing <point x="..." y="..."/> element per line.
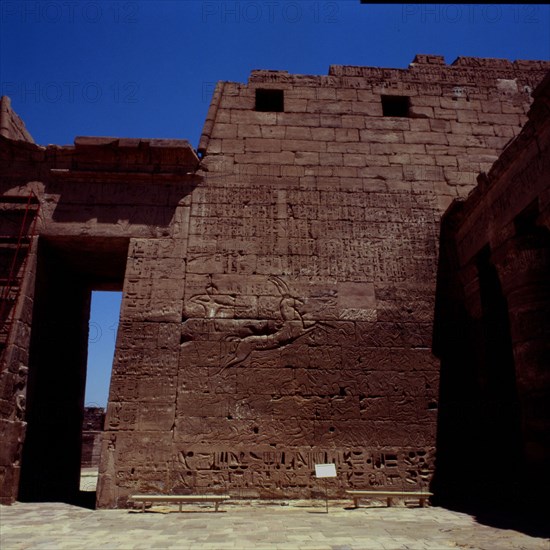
<point x="308" y="285"/>
<point x="278" y="299"/>
<point x="94" y="198"/>
<point x="11" y="126"/>
<point x="17" y="279"/>
<point x="494" y="316"/>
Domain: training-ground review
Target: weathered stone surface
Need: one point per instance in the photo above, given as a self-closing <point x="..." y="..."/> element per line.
<point x="278" y="296"/>
<point x="494" y="287"/>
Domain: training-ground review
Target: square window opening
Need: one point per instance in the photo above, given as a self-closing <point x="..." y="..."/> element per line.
<point x="268" y="100"/>
<point x="395" y="105"/>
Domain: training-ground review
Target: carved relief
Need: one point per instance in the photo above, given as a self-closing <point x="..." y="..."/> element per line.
<point x="210" y="305"/>
<point x="273" y="335"/>
<point x="293" y="469"/>
<point x="252" y="335"/>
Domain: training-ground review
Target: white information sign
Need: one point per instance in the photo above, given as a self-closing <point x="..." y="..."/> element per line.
<point x="325" y="470"/>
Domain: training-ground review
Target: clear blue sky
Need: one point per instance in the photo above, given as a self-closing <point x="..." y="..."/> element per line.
<point x="101" y="345"/>
<point x="148" y="68"/>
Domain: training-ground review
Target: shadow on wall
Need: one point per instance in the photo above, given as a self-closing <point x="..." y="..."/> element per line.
<point x="480" y="466"/>
<point x="121" y="180"/>
<point x="151" y="204"/>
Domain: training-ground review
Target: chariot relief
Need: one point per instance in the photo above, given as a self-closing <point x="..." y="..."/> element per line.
<point x="251" y="334"/>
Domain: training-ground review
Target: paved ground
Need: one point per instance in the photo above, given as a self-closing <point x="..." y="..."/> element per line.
<point x="242" y="525"/>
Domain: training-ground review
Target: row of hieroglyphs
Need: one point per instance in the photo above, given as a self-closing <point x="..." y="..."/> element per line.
<point x="345" y="459"/>
<point x="397" y="468"/>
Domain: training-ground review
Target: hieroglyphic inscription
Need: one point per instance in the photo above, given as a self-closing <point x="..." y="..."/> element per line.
<point x="370" y="236"/>
<point x="293" y="468"/>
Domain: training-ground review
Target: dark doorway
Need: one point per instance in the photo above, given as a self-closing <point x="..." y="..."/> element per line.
<point x="67" y="271"/>
<point x="498" y="417"/>
<point x="479" y="445"/>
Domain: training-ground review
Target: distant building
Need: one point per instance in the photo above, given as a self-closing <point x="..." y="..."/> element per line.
<point x="92" y="430"/>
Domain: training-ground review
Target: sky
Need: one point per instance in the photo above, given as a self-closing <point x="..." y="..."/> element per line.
<point x="102" y="330"/>
<point x="148" y="68"/>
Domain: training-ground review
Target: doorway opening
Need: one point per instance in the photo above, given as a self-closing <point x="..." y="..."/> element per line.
<point x="498" y="415"/>
<point x="102" y="331"/>
<point x="68" y="269"/>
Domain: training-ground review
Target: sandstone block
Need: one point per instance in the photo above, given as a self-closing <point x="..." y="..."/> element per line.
<point x="215" y="146"/>
<point x="348" y="147"/>
<point x="273" y="132"/>
<point x="445" y="114"/>
<point x="331" y="159"/>
<point x="368" y="96"/>
<point x="347" y="134"/>
<point x="461" y="127"/>
<point x="465" y="140"/>
<point x="298" y="132"/>
<point x="296" y="105"/>
<point x="307" y="158"/>
<point x="483" y="130"/>
<point x="492" y="118"/>
<point x="417" y="111"/>
<point x="325" y="93"/>
<point x="426" y="138"/>
<point x="302" y="92"/>
<point x="403" y="158"/>
<point x="388" y="123"/>
<point x="330" y="121"/>
<point x="379" y="136"/>
<point x="420" y="125"/>
<point x="446" y="160"/>
<point x="382" y="172"/>
<point x="252" y="117"/>
<point x="224" y="131"/>
<point x="249" y="130"/>
<point x="378" y="160"/>
<point x="383" y="148"/>
<point x="367" y="108"/>
<point x="297" y="119"/>
<point x="237" y="102"/>
<point x="346" y="94"/>
<point x="232" y="146"/>
<point x="261" y="145"/>
<point x="354" y="160"/>
<point x="467" y="116"/>
<point x="302" y="145"/>
<point x="491" y="106"/>
<point x="323" y="134"/>
<point x="425" y="101"/>
<point x="440" y="126"/>
<point x="353" y="121"/>
<point x="329" y="107"/>
<point x="510" y="108"/>
<point x="460" y="104"/>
